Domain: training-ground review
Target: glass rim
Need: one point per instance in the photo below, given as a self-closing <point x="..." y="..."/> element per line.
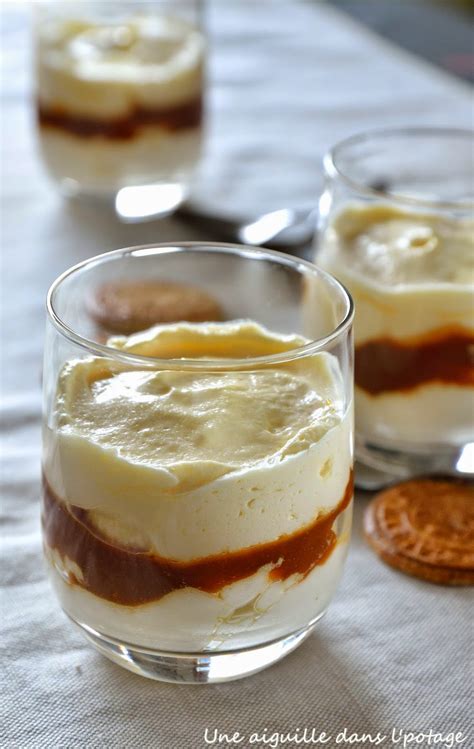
<point x="237" y="250"/>
<point x="332" y="169"/>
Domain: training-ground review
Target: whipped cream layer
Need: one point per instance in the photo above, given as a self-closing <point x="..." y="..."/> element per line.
<point x="429" y="414"/>
<point x="247" y="613"/>
<point x="103" y="165"/>
<point x="190" y="464"/>
<point x="393" y="248"/>
<point x="408" y="273"/>
<point x="105" y="71"/>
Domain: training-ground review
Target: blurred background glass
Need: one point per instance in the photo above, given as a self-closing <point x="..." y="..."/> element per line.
<point x="396" y="229"/>
<point x="119" y="92"/>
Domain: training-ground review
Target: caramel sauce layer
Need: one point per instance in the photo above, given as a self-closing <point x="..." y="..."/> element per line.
<point x="387" y="365"/>
<point x="132" y="577"/>
<point x="179" y="117"/>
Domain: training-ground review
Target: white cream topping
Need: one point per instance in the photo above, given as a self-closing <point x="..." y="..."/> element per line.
<point x="106" y="70"/>
<point x="394" y="248"/>
<point x="195" y="463"/>
<point x="193" y="427"/>
<point x="401" y="291"/>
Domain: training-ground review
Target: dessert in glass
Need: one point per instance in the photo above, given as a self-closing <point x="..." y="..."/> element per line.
<point x="119" y="90"/>
<point x="397" y="229"/>
<point x="198" y="475"/>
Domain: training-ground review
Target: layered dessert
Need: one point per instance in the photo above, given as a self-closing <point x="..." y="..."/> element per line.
<point x="121" y="103"/>
<point x="190" y="510"/>
<point x="411" y="276"/>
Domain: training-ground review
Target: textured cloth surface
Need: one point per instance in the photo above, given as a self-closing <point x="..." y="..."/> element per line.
<point x="287" y="79"/>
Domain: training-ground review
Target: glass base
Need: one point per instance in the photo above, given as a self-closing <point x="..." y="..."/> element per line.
<point x="195" y="668"/>
<point x="378" y="467"/>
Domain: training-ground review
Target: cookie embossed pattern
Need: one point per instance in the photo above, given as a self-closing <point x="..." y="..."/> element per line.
<point x="426" y="529"/>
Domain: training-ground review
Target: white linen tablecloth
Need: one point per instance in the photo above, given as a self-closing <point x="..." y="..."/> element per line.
<point x="287" y="79"/>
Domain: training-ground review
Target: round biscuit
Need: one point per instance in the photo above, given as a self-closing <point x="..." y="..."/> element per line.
<point x="425" y="528"/>
<point x="130" y="306"/>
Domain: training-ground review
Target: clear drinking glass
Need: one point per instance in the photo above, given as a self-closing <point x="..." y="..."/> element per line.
<point x="198" y="475"/>
<point x="119" y="93"/>
<point x="396" y="228"/>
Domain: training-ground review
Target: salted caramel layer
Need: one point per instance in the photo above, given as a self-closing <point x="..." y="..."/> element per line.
<point x="179" y="117"/>
<point x="387" y="365"/>
<point x="132" y="576"/>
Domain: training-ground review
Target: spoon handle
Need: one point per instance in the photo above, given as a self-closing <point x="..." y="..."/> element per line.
<point x="216" y="226"/>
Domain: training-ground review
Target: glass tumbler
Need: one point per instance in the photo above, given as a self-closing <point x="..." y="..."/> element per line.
<point x="197" y="454"/>
<point x="119" y="95"/>
<point x="396" y="228"/>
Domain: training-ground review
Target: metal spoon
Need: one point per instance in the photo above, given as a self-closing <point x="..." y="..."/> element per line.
<point x="285" y="229"/>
